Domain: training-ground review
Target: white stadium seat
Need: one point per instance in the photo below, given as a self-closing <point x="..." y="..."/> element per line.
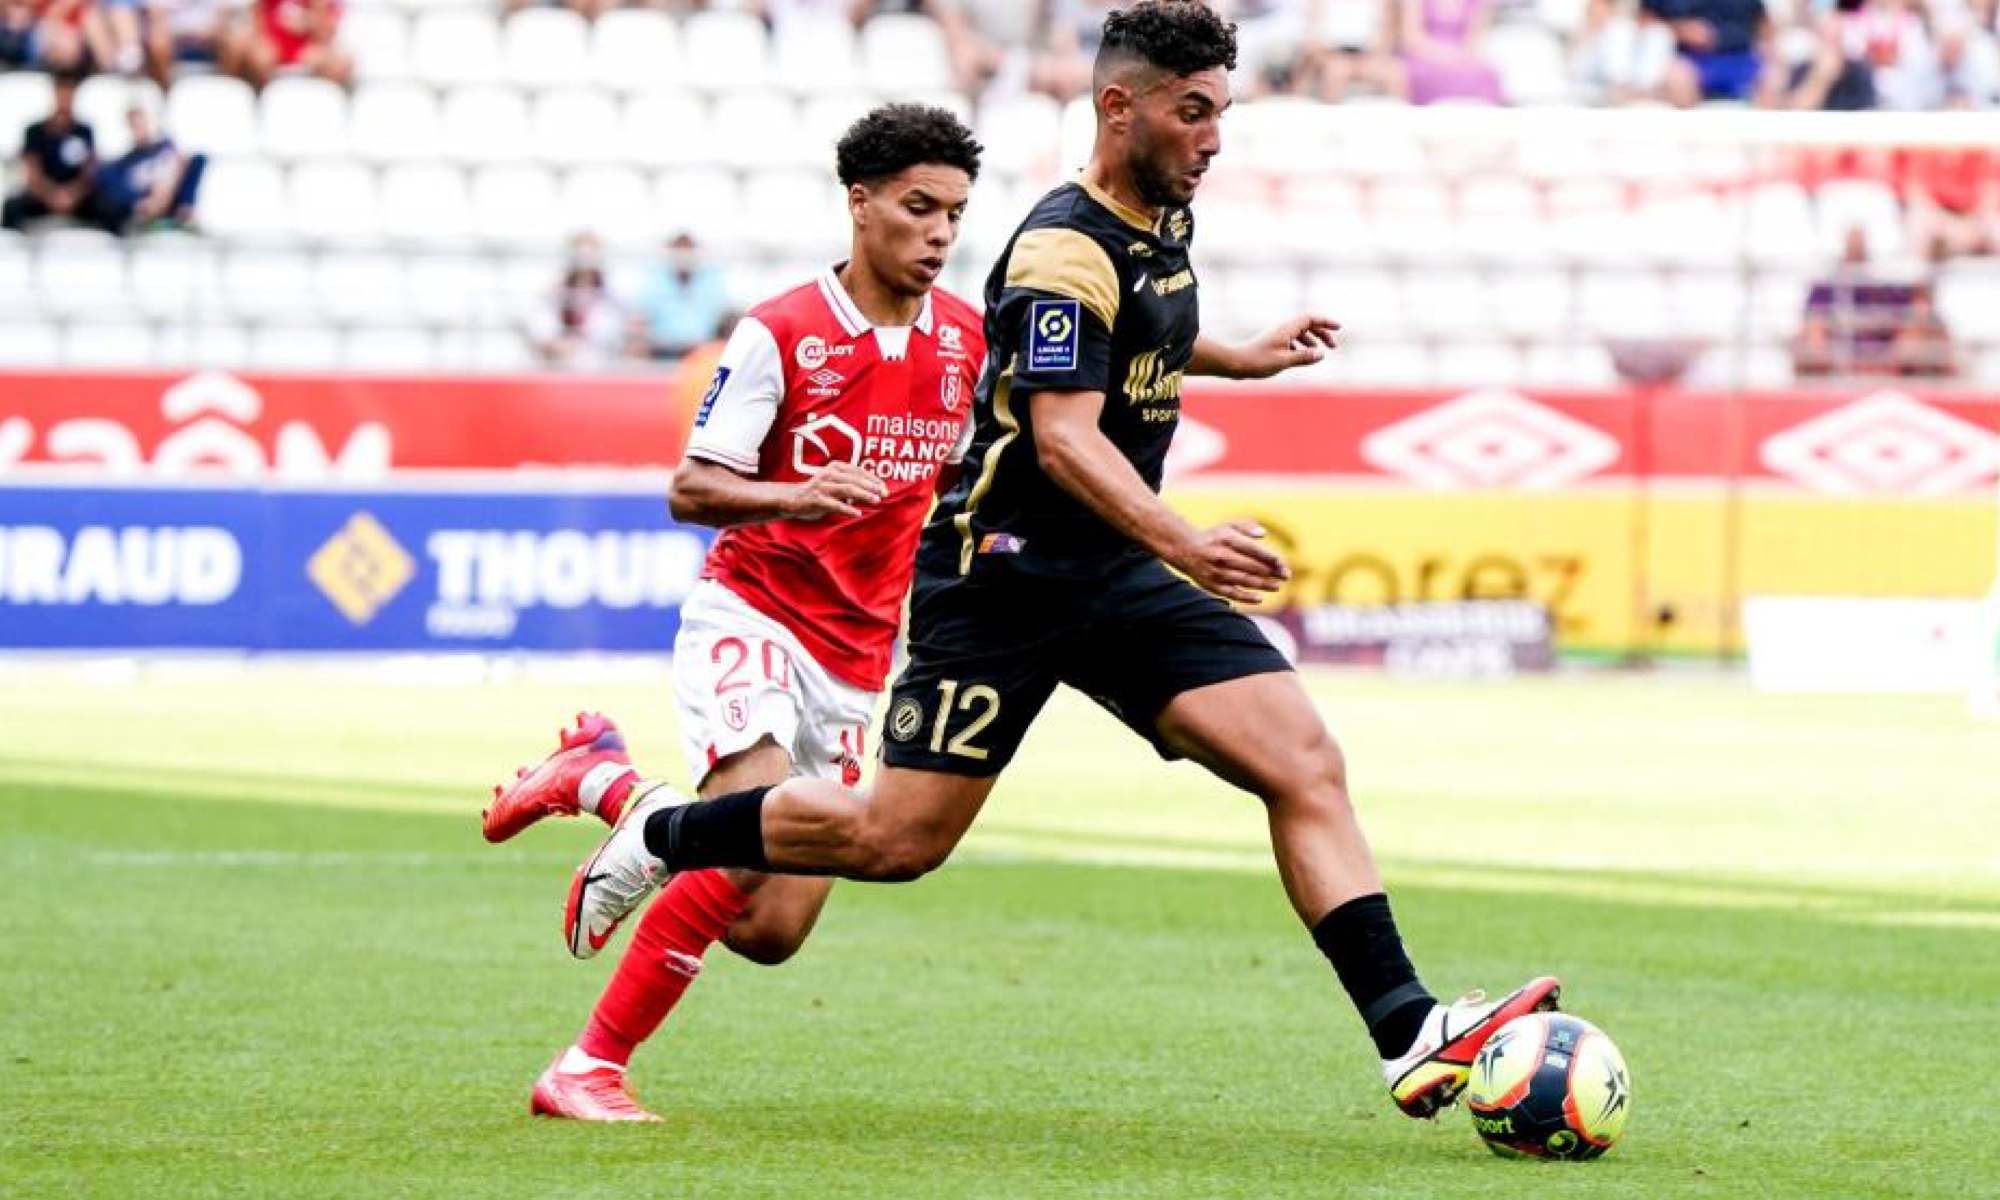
<point x="30" y="343"/>
<point x="1020" y="133"/>
<point x="389" y="349"/>
<point x="1780" y="228"/>
<point x="450" y="289"/>
<point x="213" y="344"/>
<point x="1624" y="305"/>
<point x="811" y="55"/>
<point x="453" y="47"/>
<point x="1569" y="365"/>
<point x="575" y="126"/>
<point x="1871" y="207"/>
<point x="1778" y="304"/>
<point x="425" y="204"/>
<point x="113" y="344"/>
<point x="485" y="124"/>
<point x="25" y="97"/>
<point x="17" y="276"/>
<point x="1367" y="302"/>
<point x="360" y="288"/>
<point x="295" y="348"/>
<point x="907" y="48"/>
<point x="304" y="118"/>
<point x="1448" y="302"/>
<point x="705" y="202"/>
<point x="101" y="103"/>
<point x="761" y="129"/>
<point x="379" y="39"/>
<point x="516" y="204"/>
<point x="245" y="200"/>
<point x="1532" y="302"/>
<point x="272" y="285"/>
<point x="724" y="51"/>
<point x="396" y="122"/>
<point x="1529" y="61"/>
<point x="545" y="47"/>
<point x="81" y="273"/>
<point x="1707" y="304"/>
<point x="667" y="128"/>
<point x="635" y="49"/>
<point x="215" y="114"/>
<point x="172" y="279"/>
<point x="1460" y="362"/>
<point x="614" y="202"/>
<point x="1968" y="298"/>
<point x="337" y="202"/>
<point x="1388" y="364"/>
<point x="796" y="212"/>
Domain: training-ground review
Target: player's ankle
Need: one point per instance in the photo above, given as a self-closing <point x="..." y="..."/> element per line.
<point x="578" y="1061"/>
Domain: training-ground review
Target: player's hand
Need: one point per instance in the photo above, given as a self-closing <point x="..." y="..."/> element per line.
<point x="1233" y="561"/>
<point x="1299" y="342"/>
<point x="838" y="490"/>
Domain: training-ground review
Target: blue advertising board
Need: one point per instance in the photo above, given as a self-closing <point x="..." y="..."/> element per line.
<point x="298" y="570"/>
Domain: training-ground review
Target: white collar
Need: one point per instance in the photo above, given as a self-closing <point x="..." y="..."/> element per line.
<point x="849" y="313"/>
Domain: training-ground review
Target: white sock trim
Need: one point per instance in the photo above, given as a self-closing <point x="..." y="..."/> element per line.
<point x="597" y="781"/>
<point x="575" y="1062"/>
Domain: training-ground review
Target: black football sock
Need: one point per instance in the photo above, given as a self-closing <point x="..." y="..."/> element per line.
<point x="1359" y="938"/>
<point x="727" y="831"/>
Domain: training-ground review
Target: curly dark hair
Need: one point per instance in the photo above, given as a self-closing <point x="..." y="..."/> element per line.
<point x="895" y="137"/>
<point x="1180" y="36"/>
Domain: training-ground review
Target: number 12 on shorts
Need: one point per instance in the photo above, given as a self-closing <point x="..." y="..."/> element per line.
<point x="980" y="697"/>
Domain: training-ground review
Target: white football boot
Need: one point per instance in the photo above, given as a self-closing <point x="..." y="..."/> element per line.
<point x="618" y="877"/>
<point x="1427" y="1078"/>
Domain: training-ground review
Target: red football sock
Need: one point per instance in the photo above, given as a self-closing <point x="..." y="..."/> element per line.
<point x="683" y="921"/>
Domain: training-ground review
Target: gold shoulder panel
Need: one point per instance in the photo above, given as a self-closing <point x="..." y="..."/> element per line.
<point x="1067" y="263"/>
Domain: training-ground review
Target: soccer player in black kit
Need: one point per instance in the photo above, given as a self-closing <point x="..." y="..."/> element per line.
<point x="1053" y="560"/>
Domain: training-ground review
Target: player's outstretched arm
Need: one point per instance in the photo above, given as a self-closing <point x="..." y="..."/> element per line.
<point x="1299" y="342"/>
<point x="706" y="493"/>
<point x="1229" y="560"/>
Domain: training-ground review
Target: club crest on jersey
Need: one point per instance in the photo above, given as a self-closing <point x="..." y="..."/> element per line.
<point x="951" y="391"/>
<point x="1053" y="335"/>
<point x="708" y="398"/>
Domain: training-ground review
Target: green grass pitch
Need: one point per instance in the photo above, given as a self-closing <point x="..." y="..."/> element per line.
<point x="255" y="947"/>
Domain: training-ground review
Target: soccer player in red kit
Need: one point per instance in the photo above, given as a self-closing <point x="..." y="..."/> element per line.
<point x="835" y="412"/>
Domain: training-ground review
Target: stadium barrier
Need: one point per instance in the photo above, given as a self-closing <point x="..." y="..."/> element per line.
<point x="1640" y="518"/>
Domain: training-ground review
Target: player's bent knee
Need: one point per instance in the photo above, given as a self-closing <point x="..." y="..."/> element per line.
<point x="900" y="859"/>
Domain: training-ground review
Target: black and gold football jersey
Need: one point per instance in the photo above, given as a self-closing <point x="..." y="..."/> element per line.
<point x="1089" y="295"/>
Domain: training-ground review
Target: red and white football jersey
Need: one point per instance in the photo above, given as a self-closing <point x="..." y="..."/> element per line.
<point x="805" y="380"/>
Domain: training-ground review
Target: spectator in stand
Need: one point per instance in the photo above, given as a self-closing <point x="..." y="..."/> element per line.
<point x="684" y="301"/>
<point x="1968" y="61"/>
<point x="1071" y="31"/>
<point x="978" y="42"/>
<point x="152" y="185"/>
<point x="1724" y="46"/>
<point x="1889" y="40"/>
<point x="206" y="32"/>
<point x="1624" y="55"/>
<point x="1441" y="51"/>
<point x="1952" y="200"/>
<point x="73" y="37"/>
<point x="583" y="326"/>
<point x="124" y="36"/>
<point x="59" y="165"/>
<point x="19" y="45"/>
<point x="296" y="35"/>
<point x="1859" y="323"/>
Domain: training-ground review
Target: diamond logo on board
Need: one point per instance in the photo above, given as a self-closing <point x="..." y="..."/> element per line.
<point x="361" y="568"/>
<point x="1490" y="439"/>
<point x="1887" y="442"/>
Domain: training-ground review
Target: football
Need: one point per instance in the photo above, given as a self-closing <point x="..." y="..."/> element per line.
<point x="1549" y="1085"/>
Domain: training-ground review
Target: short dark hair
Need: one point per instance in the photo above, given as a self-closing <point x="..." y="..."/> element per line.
<point x="896" y="137"/>
<point x="1178" y="36"/>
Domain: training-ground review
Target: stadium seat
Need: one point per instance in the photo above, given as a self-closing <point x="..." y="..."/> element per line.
<point x="1531" y="302"/>
<point x="360" y="288"/>
<point x="1626" y="305"/>
<point x="1461" y="362"/>
<point x="1590" y="224"/>
<point x="451" y="289"/>
<point x="1449" y="302"/>
<point x="907" y="48"/>
<point x="172" y="279"/>
<point x="503" y="352"/>
<point x="274" y="285"/>
<point x="1388" y="364"/>
<point x="667" y="128"/>
<point x="100" y="344"/>
<point x="17" y="276"/>
<point x="1569" y="365"/>
<point x="1986" y="369"/>
<point x="101" y="103"/>
<point x="1020" y="134"/>
<point x="796" y="212"/>
<point x="245" y="201"/>
<point x="425" y="204"/>
<point x="456" y="47"/>
<point x="1411" y="220"/>
<point x="30" y="344"/>
<point x="724" y="51"/>
<point x="1780" y="227"/>
<point x="761" y="129"/>
<point x="1778" y="304"/>
<point x="1968" y="298"/>
<point x="812" y="54"/>
<point x="613" y="201"/>
<point x="279" y="347"/>
<point x="1529" y="61"/>
<point x="1368" y="302"/>
<point x="388" y="350"/>
<point x="1690" y="228"/>
<point x="524" y="285"/>
<point x="81" y="273"/>
<point x="633" y="49"/>
<point x="1756" y="366"/>
<point x="25" y="97"/>
<point x="1707" y="304"/>
<point x="485" y="124"/>
<point x="395" y="122"/>
<point x="545" y="48"/>
<point x="214" y="344"/>
<point x="214" y="114"/>
<point x="1500" y="222"/>
<point x="336" y="202"/>
<point x="1863" y="204"/>
<point x="516" y="205"/>
<point x="576" y="126"/>
<point x="304" y="119"/>
<point x="705" y="202"/>
<point x="379" y="39"/>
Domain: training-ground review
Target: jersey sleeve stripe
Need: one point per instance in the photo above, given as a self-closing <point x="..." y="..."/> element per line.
<point x="1067" y="263"/>
<point x="1003" y="411"/>
<point x="727" y="458"/>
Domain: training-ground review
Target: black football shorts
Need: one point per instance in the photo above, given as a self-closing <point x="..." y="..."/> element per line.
<point x="986" y="651"/>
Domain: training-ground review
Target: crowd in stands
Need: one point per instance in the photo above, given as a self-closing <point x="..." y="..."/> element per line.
<point x="153" y="184"/>
<point x="159" y="38"/>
